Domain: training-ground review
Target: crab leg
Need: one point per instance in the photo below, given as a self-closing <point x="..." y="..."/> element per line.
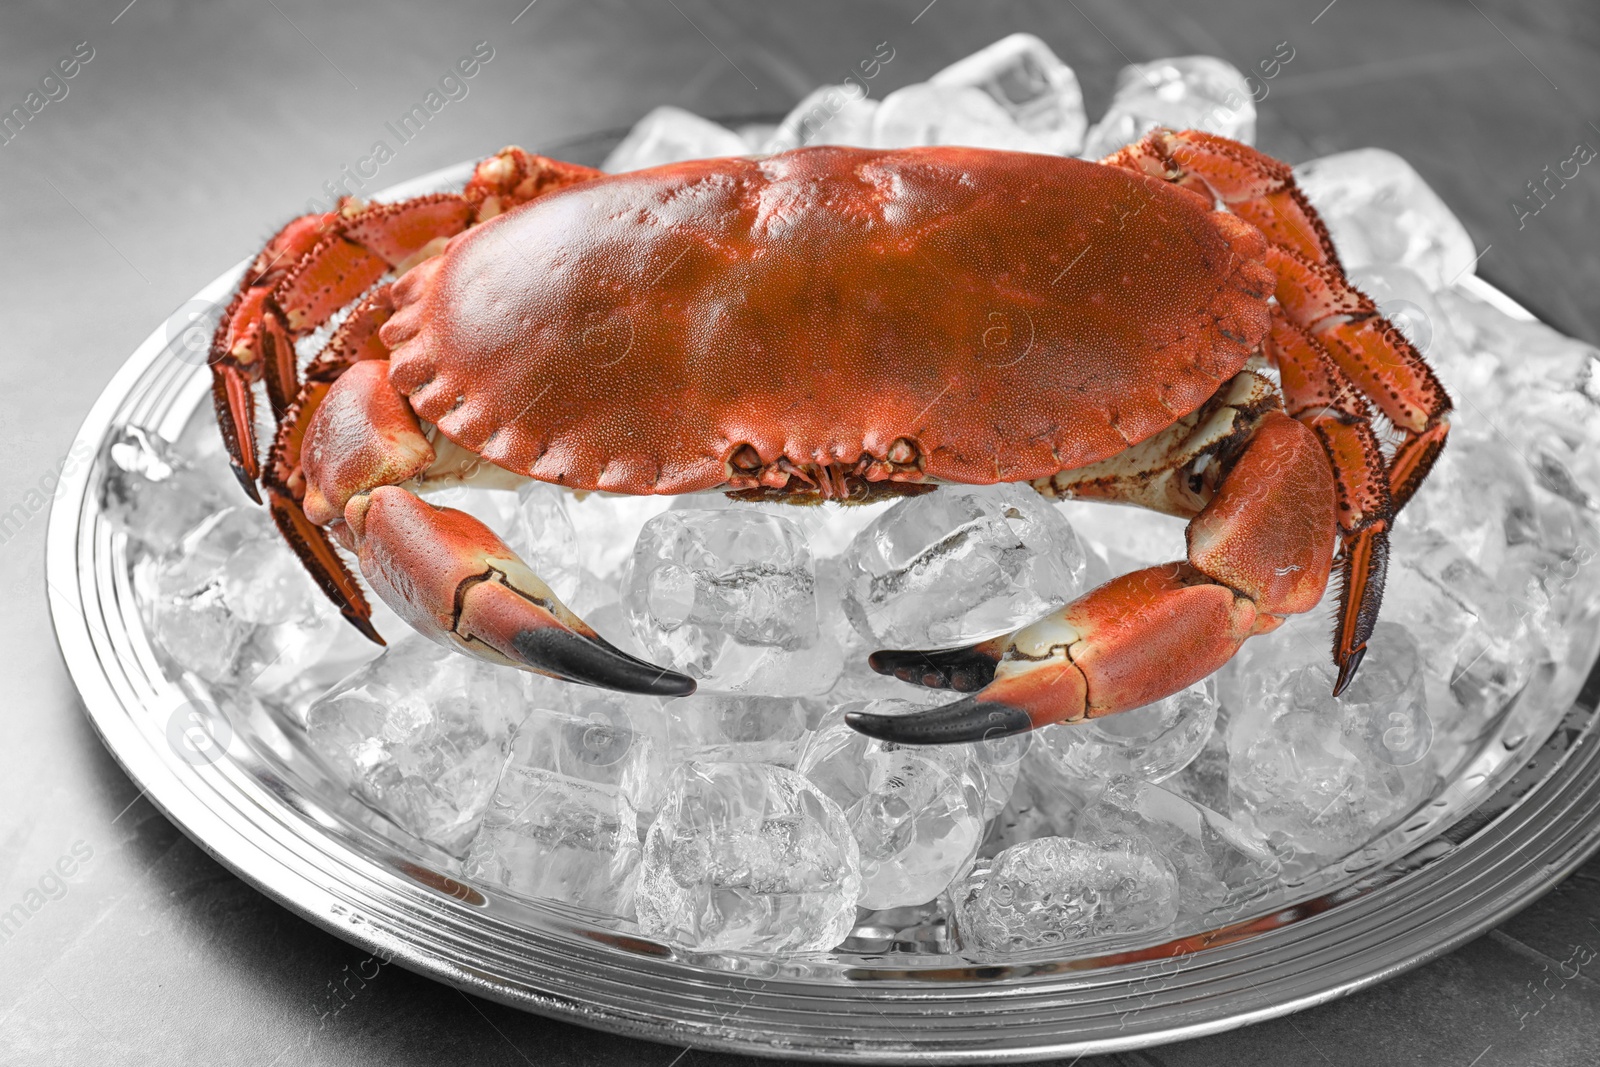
<point x="1336" y="353"/>
<point x="1375" y="356"/>
<point x="1259" y="189"/>
<point x="443" y="571"/>
<point x="1312" y="287"/>
<point x="1261" y="549"/>
<point x="308" y="271"/>
<point x="284" y="480"/>
<point x="1319" y="394"/>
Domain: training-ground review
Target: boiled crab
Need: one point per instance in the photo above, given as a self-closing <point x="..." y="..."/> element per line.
<point x="1168" y="328"/>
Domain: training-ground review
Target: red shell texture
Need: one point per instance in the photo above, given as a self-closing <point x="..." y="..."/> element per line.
<point x="1012" y="314"/>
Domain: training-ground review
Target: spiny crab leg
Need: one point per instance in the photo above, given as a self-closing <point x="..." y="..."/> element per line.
<point x="1261" y="549"/>
<point x="1374" y="356"/>
<point x="1337" y="355"/>
<point x="1319" y="394"/>
<point x="1259" y="189"/>
<point x="313" y="267"/>
<point x="284" y="478"/>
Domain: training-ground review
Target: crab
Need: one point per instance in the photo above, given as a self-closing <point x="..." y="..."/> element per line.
<point x="1169" y="328"/>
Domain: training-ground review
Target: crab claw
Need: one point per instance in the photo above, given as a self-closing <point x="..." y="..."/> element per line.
<point x="1018" y="694"/>
<point x="1131" y="641"/>
<point x="451" y="578"/>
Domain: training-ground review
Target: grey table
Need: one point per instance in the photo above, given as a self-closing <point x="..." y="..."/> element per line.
<point x="195" y="129"/>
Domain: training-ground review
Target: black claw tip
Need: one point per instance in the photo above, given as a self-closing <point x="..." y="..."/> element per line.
<point x="963" y="721"/>
<point x="595" y="661"/>
<point x="1347" y="670"/>
<point x="246" y="482"/>
<point x="965" y="670"/>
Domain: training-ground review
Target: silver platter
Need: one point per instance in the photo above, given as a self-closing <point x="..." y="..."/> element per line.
<point x="265" y="809"/>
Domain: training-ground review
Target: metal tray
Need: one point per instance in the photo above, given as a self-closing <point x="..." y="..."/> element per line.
<point x="264" y="808"/>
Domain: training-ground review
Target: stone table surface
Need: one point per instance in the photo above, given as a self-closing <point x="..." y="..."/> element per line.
<point x="196" y="128"/>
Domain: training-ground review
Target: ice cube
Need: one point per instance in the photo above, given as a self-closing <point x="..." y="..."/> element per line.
<point x="716" y="727"/>
<point x="152" y="492"/>
<point x="196" y="628"/>
<point x="233" y="604"/>
<point x="748" y="857"/>
<point x="1380" y="211"/>
<point x="829" y="526"/>
<point x="1558" y="437"/>
<point x="1128" y="542"/>
<point x="1184" y="93"/>
<point x="1205" y="780"/>
<point x="274" y="658"/>
<point x="1513" y="490"/>
<point x="924" y="114"/>
<point x="562" y="825"/>
<point x="757" y="136"/>
<point x="606" y="526"/>
<point x="1000" y="766"/>
<point x="421" y="734"/>
<point x="671" y="135"/>
<point x="994" y="764"/>
<point x="916" y="812"/>
<point x="341" y="651"/>
<point x="1483" y="646"/>
<point x="1550" y="382"/>
<point x="1026" y="78"/>
<point x="1053" y="891"/>
<point x="1151" y="743"/>
<point x="630" y="740"/>
<point x="809" y="671"/>
<point x="1321" y="774"/>
<point x="1043" y="803"/>
<point x="701" y="581"/>
<point x="831" y="114"/>
<point x="959" y="564"/>
<point x="1525" y="353"/>
<point x="611" y="622"/>
<point x="1479" y="496"/>
<point x="858" y="681"/>
<point x="1551" y="578"/>
<point x="1219" y="864"/>
<point x="267" y="586"/>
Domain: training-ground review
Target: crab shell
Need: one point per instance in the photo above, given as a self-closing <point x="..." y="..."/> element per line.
<point x="635" y="332"/>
